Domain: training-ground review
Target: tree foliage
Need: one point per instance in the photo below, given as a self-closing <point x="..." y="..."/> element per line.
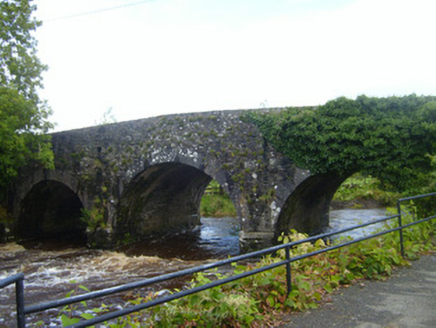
<point x="390" y="138"/>
<point x="19" y="118"/>
<point x="20" y="68"/>
<point x="23" y="116"/>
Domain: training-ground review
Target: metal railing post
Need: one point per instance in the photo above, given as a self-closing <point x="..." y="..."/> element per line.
<point x="19" y="295"/>
<point x="400" y="225"/>
<point x="288" y="270"/>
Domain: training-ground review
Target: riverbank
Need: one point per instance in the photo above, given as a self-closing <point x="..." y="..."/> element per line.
<point x="406" y="299"/>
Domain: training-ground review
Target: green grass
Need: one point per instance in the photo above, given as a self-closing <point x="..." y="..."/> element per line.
<point x="359" y="187"/>
<point x="216" y="203"/>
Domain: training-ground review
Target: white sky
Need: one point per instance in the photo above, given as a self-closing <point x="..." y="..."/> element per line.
<point x="173" y="56"/>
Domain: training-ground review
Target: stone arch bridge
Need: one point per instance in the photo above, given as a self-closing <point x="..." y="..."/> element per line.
<point x="146" y="176"/>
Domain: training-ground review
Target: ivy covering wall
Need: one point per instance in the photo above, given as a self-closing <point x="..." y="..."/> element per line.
<point x="391" y="138"/>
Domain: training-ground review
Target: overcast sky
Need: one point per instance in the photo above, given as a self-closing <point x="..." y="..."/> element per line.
<point x="156" y="57"/>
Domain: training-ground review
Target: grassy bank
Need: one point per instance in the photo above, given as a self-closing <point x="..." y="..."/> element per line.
<point x="217" y="206"/>
<point x="359" y="190"/>
<point x="216" y="203"/>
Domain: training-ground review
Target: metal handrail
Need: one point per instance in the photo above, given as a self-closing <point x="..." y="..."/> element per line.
<point x="150" y="281"/>
<point x="24" y="310"/>
<point x="18" y="280"/>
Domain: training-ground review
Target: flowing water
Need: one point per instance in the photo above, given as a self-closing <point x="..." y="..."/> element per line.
<point x="54" y="268"/>
<point x="342" y="219"/>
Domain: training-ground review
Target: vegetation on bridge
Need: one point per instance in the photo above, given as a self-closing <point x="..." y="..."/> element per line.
<point x="390" y="138"/>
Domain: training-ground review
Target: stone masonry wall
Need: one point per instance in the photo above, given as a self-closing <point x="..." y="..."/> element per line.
<point x="100" y="163"/>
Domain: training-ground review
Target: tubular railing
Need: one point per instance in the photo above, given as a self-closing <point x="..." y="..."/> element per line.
<point x="23" y="310"/>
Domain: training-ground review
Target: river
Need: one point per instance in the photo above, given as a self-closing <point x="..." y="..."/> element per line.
<point x="341" y="219"/>
<point x="53" y="268"/>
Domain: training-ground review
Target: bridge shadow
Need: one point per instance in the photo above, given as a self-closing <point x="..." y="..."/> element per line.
<point x="162" y="198"/>
<point x="307" y="208"/>
<point x="50" y="211"/>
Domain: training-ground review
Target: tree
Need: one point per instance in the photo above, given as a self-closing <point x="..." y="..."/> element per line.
<point x="19" y="118"/>
<point x="23" y="116"/>
<point x="20" y="68"/>
<point x="391" y="138"/>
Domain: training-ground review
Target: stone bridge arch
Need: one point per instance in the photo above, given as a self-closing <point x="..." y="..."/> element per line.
<point x="307" y="207"/>
<point x="46" y="205"/>
<point x="162" y="197"/>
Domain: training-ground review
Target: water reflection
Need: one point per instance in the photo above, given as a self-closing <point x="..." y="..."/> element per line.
<point x="220" y="236"/>
<point x="214" y="238"/>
